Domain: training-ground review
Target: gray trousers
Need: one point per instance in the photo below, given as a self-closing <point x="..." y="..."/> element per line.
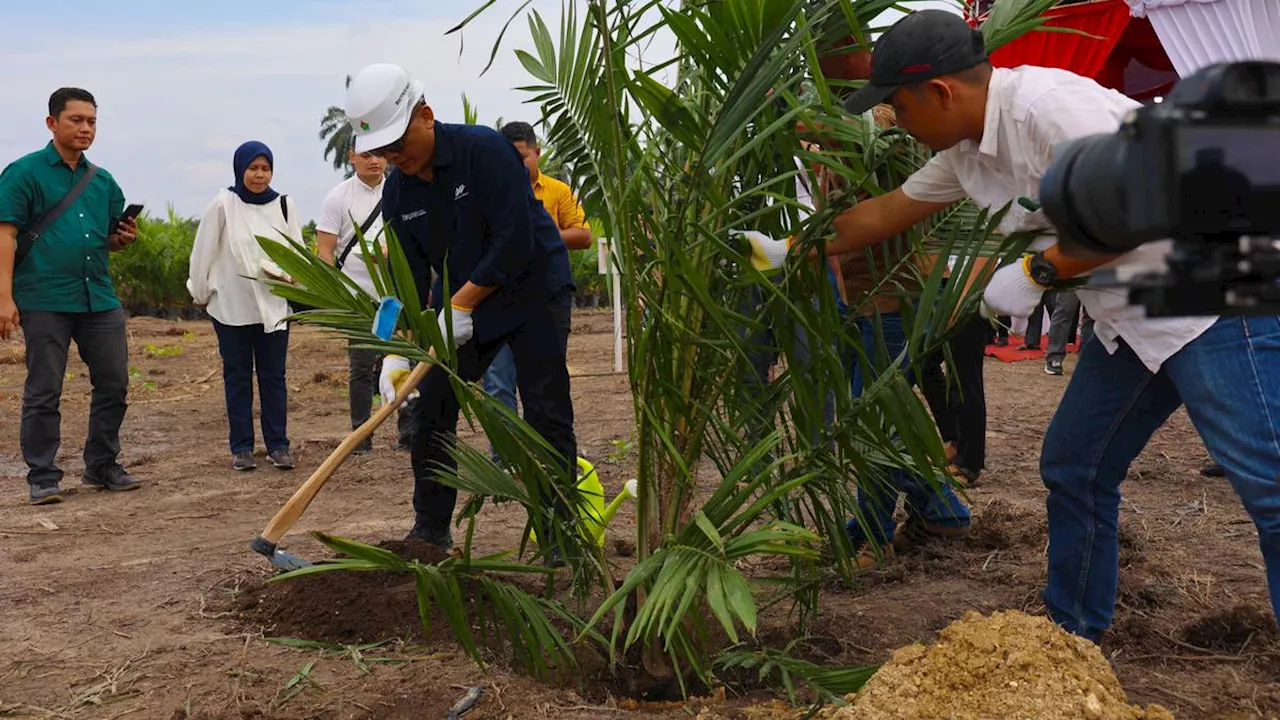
<point x="1063" y="320"/>
<point x="361" y="386"/>
<point x="102" y="341"/>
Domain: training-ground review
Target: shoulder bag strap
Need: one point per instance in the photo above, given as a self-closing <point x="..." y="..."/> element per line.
<point x="355" y="238"/>
<point x="28" y="239"/>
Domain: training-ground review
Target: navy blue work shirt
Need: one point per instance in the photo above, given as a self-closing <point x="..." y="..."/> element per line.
<point x="478" y="216"/>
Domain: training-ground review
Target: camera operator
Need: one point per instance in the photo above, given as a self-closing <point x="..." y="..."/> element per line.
<point x="994" y="131"/>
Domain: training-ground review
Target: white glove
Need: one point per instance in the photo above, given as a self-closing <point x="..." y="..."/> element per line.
<point x="394" y="371"/>
<point x="1012" y="291"/>
<point x="463" y="326"/>
<point x="767" y="254"/>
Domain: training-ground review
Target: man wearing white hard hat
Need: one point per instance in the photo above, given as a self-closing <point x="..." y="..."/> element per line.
<point x="460" y="202"/>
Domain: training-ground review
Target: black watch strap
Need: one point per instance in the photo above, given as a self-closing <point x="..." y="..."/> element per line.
<point x="1042" y="271"/>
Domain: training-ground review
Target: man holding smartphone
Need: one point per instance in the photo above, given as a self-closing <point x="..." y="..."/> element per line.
<point x="60" y="216"/>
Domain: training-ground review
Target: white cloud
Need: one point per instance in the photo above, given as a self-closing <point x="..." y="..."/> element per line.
<point x="174" y="105"/>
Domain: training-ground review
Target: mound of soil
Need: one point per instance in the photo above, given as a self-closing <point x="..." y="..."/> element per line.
<point x="344" y="607"/>
<point x="1009" y="665"/>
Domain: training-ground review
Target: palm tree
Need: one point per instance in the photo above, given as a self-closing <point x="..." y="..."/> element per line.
<point x="340" y="138"/>
<point x="671" y="165"/>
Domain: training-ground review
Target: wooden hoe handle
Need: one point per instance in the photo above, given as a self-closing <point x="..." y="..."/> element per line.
<point x="292" y="511"/>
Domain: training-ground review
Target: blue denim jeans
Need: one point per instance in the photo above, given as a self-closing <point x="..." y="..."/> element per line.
<point x="244" y="349"/>
<point x="500" y="382"/>
<point x="1229" y="379"/>
<point x="935" y="506"/>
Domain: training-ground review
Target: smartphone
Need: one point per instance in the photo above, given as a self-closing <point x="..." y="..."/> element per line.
<point x="131" y="213"/>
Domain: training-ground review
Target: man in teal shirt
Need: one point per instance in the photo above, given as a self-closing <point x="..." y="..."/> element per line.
<point x="60" y="290"/>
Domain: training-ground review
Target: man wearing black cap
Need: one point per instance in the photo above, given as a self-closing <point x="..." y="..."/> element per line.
<point x="994" y="131"/>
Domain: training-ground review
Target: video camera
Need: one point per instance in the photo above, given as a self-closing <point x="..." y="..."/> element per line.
<point x="1201" y="168"/>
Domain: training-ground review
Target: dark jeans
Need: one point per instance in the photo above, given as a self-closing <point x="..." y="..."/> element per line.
<point x="1229" y="380"/>
<point x="957" y="397"/>
<point x="102" y="342"/>
<point x="940" y="508"/>
<point x="361" y="386"/>
<point x="244" y="348"/>
<point x="539" y="348"/>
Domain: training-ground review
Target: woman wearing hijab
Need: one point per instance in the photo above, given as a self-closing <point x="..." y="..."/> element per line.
<point x="225" y="276"/>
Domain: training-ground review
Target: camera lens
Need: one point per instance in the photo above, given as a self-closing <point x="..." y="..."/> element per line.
<point x="1083" y="193"/>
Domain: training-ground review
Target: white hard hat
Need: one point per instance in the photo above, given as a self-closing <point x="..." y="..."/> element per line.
<point x="380" y="102"/>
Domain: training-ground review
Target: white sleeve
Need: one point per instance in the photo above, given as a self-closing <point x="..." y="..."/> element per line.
<point x="331" y="214"/>
<point x="935" y="182"/>
<point x="1060" y="115"/>
<point x="204" y="250"/>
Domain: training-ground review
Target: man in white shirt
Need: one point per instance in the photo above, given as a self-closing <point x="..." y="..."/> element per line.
<point x="356" y="203"/>
<point x="994" y="131"/>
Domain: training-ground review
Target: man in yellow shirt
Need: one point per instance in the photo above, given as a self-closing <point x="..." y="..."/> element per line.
<point x="558" y="200"/>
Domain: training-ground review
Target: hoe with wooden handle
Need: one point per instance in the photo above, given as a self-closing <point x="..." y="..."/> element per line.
<point x="289" y="515"/>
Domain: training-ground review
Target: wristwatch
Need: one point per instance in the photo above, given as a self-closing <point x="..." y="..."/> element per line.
<point x="1041" y="270"/>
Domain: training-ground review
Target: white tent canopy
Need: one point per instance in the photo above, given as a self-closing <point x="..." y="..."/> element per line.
<point x="1199" y="33"/>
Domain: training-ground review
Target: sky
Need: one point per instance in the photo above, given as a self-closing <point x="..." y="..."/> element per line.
<point x="180" y="85"/>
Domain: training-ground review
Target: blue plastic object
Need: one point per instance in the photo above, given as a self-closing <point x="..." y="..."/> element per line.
<point x="384" y="322"/>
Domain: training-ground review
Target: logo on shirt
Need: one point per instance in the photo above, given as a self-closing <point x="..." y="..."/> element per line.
<point x="460" y="192"/>
<point x="410" y="216"/>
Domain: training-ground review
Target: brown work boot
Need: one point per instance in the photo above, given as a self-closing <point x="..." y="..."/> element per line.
<point x="868" y="559"/>
<point x="963" y="479"/>
<point x="916" y="530"/>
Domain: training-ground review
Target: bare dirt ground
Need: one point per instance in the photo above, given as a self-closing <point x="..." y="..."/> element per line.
<point x="139" y="605"/>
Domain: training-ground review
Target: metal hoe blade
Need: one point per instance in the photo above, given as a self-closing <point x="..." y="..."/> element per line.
<point x="279" y="558"/>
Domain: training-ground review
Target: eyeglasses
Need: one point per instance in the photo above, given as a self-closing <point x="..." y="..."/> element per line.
<point x="390" y="148"/>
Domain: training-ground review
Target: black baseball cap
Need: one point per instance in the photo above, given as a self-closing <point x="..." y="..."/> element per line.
<point x="921" y="46"/>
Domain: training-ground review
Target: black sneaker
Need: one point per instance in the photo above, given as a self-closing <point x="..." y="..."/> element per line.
<point x="115" y="479"/>
<point x="46" y="493"/>
<point x="1053" y="367"/>
<point x="442" y="540"/>
<point x="243" y="461"/>
<point x="281" y="459"/>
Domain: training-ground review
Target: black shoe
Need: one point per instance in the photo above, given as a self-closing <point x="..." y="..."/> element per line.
<point x="1213" y="470"/>
<point x="115" y="479"/>
<point x="403" y="446"/>
<point x="243" y="461"/>
<point x="45" y="493"/>
<point x="281" y="459"/>
<point x="442" y="540"/>
<point x="363" y="448"/>
<point x="554" y="559"/>
<point x="1053" y="367"/>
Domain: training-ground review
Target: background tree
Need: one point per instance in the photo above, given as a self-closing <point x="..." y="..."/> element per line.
<point x="336" y="131"/>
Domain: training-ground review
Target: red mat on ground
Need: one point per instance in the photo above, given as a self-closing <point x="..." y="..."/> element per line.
<point x="1010" y="353"/>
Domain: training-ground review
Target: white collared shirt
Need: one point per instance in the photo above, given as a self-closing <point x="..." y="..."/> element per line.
<point x="352" y="198"/>
<point x="1029" y="111"/>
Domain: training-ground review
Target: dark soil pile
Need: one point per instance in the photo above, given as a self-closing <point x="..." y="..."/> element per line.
<point x="344" y="607"/>
<point x="1232" y="630"/>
